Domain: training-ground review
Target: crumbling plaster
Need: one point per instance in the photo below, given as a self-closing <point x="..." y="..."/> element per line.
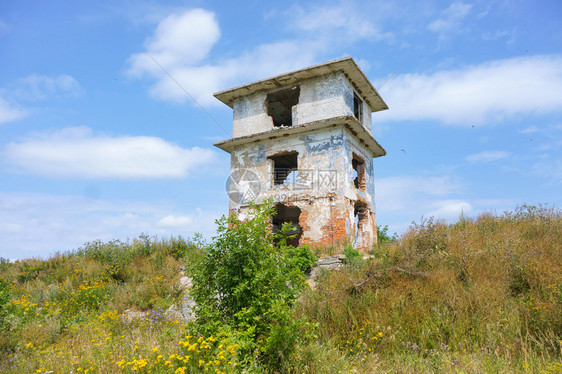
<point x="328" y="151"/>
<point x="320" y="98"/>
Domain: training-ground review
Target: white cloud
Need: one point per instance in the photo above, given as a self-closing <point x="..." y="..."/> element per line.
<point x="40" y="224"/>
<point x="450" y="209"/>
<point x="9" y="113"/>
<point x="529" y="130"/>
<point x="178" y="40"/>
<point x="176" y="222"/>
<point x="451" y="18"/>
<point x="481" y="94"/>
<point x="340" y="22"/>
<point x="416" y="197"/>
<point x="412" y="193"/>
<point x="442" y="197"/>
<point x="487" y="156"/>
<point x="509" y="35"/>
<point x="34" y="88"/>
<point x="76" y="152"/>
<point x="182" y="43"/>
<point x="41" y="87"/>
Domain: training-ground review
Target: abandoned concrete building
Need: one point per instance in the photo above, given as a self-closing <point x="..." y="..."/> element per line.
<point x="304" y="139"/>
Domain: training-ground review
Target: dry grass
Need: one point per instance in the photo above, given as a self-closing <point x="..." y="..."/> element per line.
<point x="481" y="295"/>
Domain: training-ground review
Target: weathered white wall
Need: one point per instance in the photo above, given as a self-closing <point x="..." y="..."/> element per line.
<point x="352" y="193"/>
<point x="327" y="151"/>
<point x="320" y="98"/>
<point x="250" y="115"/>
<point x="318" y="152"/>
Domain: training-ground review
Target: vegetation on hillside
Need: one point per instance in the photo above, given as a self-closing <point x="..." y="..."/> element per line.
<point x="479" y="295"/>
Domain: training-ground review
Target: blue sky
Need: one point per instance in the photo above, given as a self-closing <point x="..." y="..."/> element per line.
<point x="98" y="142"/>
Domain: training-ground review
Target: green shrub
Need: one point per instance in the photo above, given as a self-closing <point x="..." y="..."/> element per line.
<point x="246" y="281"/>
<point x="301" y="257"/>
<point x="352" y="255"/>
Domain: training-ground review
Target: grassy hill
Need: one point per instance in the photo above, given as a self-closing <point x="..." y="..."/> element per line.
<point x="479" y="295"/>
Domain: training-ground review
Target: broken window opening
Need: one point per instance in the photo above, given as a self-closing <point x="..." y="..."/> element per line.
<point x="280" y="106"/>
<point x="358" y="107"/>
<point x="358" y="165"/>
<point x="291" y="216"/>
<point x="360" y="214"/>
<point x="283" y="166"/>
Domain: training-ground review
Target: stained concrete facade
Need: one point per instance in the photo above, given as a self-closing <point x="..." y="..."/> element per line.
<point x="306" y="139"/>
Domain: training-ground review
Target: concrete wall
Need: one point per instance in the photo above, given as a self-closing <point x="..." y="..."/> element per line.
<point x="320" y="98"/>
<point x="323" y="187"/>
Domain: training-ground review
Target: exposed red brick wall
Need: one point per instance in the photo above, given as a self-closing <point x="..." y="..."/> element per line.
<point x="334" y="233"/>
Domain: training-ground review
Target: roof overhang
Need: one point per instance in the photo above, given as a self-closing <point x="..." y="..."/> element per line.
<point x="346" y="65"/>
<point x="350" y="123"/>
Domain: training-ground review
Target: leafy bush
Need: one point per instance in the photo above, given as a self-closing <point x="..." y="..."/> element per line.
<point x="352" y="255"/>
<point x="246" y="281"/>
<point x="301" y="257"/>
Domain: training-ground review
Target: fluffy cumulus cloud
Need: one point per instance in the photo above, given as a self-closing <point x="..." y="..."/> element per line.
<point x="77" y="153"/>
<point x="179" y="40"/>
<point x="481" y="94"/>
<point x="177" y="54"/>
<point x="33" y="224"/>
<point x="176" y="58"/>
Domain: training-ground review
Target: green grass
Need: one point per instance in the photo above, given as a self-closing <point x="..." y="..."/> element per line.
<point x="477" y="296"/>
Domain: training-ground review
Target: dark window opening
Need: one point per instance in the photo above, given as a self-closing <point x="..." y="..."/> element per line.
<point x="360" y="213"/>
<point x="280" y="106"/>
<point x="283" y="166"/>
<point x="289" y="215"/>
<point x="357" y="107"/>
<point x="358" y="165"/>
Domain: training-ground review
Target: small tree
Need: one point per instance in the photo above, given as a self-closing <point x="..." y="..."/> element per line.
<point x="383" y="235"/>
<point x="247" y="282"/>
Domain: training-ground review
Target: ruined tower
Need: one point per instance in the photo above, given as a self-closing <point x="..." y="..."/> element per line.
<point x="304" y="139"/>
